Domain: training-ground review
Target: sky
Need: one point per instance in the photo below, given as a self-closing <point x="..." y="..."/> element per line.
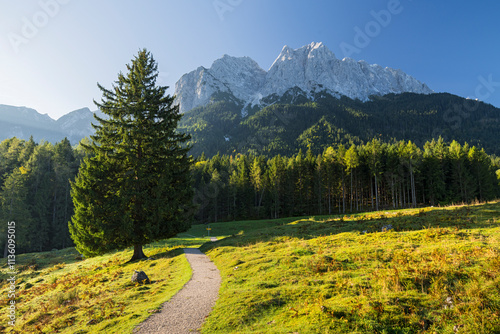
<point x="54" y="52"/>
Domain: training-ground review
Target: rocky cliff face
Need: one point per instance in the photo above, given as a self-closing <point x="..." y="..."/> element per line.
<point x="240" y="77"/>
<point x="312" y="68"/>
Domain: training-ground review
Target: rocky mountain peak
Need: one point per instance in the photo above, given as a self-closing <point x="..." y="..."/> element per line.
<point x="311" y="68"/>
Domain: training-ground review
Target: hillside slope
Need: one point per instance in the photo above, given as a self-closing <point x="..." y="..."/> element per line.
<point x="294" y="121"/>
<point x="59" y="292"/>
<point x="434" y="270"/>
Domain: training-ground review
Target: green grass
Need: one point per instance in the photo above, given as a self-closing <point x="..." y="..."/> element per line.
<point x="403" y="271"/>
<point x="58" y="292"/>
<point x="436" y="269"/>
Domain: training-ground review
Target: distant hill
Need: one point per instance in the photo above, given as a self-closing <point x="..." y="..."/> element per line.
<point x="22" y="122"/>
<point x="295" y="121"/>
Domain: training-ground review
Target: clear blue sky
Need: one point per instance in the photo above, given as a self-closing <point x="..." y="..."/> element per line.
<point x="53" y="52"/>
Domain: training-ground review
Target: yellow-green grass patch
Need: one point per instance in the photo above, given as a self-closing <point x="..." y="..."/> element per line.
<point x="59" y="292"/>
<point x="406" y="271"/>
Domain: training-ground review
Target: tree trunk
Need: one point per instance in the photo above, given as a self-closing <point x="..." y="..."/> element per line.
<point x="343" y="195"/>
<point x="413" y="191"/>
<point x="351" y="192"/>
<point x="404" y="193"/>
<point x="138" y="253"/>
<point x="215" y="209"/>
<point x="357" y="197"/>
<point x="371" y="191"/>
<point x="392" y="192"/>
<point x="261" y="196"/>
<point x="329" y="201"/>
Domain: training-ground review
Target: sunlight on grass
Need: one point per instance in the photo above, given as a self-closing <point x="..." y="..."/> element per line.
<point x="404" y="271"/>
<point x="60" y="292"/>
<point x="397" y="271"/>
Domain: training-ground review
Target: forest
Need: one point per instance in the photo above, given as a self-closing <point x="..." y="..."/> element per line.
<point x="372" y="176"/>
<point x="35" y="192"/>
<point x="294" y="122"/>
<point x="35" y="183"/>
<point x="35" y="188"/>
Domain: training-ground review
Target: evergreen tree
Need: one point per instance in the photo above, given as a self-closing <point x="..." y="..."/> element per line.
<point x="351" y="162"/>
<point x="135" y="187"/>
<point x="65" y="168"/>
<point x="276" y="181"/>
<point x="14" y="207"/>
<point x="481" y="173"/>
<point x="410" y="156"/>
<point x="257" y="180"/>
<point x="433" y="169"/>
<point x="10" y="151"/>
<point x="373" y="156"/>
<point x="460" y="174"/>
<point x="244" y="203"/>
<point x="41" y="194"/>
<point x="330" y="175"/>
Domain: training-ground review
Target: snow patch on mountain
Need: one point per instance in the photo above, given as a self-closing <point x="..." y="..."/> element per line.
<point x="312" y="68"/>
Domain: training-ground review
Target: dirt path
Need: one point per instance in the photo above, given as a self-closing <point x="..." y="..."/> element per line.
<point x="187" y="310"/>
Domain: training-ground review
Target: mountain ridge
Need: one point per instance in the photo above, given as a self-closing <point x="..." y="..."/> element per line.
<point x="294" y="121"/>
<point x="23" y="122"/>
<point x="301" y="102"/>
<point x="311" y="68"/>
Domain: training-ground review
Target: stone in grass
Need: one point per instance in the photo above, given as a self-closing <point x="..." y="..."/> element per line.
<point x="140" y="277"/>
<point x="387" y="228"/>
<point x="448" y="303"/>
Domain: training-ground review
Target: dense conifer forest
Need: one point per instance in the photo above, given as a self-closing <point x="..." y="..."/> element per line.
<point x="35" y="187"/>
<point x="342" y="179"/>
<point x="35" y="192"/>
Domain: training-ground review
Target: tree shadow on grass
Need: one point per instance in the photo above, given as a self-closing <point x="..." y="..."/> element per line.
<point x="168" y="254"/>
<point x="163" y="255"/>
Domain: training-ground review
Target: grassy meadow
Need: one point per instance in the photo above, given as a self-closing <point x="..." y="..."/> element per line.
<point x="58" y="292"/>
<point x="431" y="270"/>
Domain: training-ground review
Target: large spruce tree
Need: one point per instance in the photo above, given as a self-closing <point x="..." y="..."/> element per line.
<point x="135" y="186"/>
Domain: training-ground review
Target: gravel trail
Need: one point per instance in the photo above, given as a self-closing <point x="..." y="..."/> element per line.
<point x="187" y="310"/>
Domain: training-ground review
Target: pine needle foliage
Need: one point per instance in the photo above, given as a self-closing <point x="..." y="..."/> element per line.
<point x="135" y="185"/>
